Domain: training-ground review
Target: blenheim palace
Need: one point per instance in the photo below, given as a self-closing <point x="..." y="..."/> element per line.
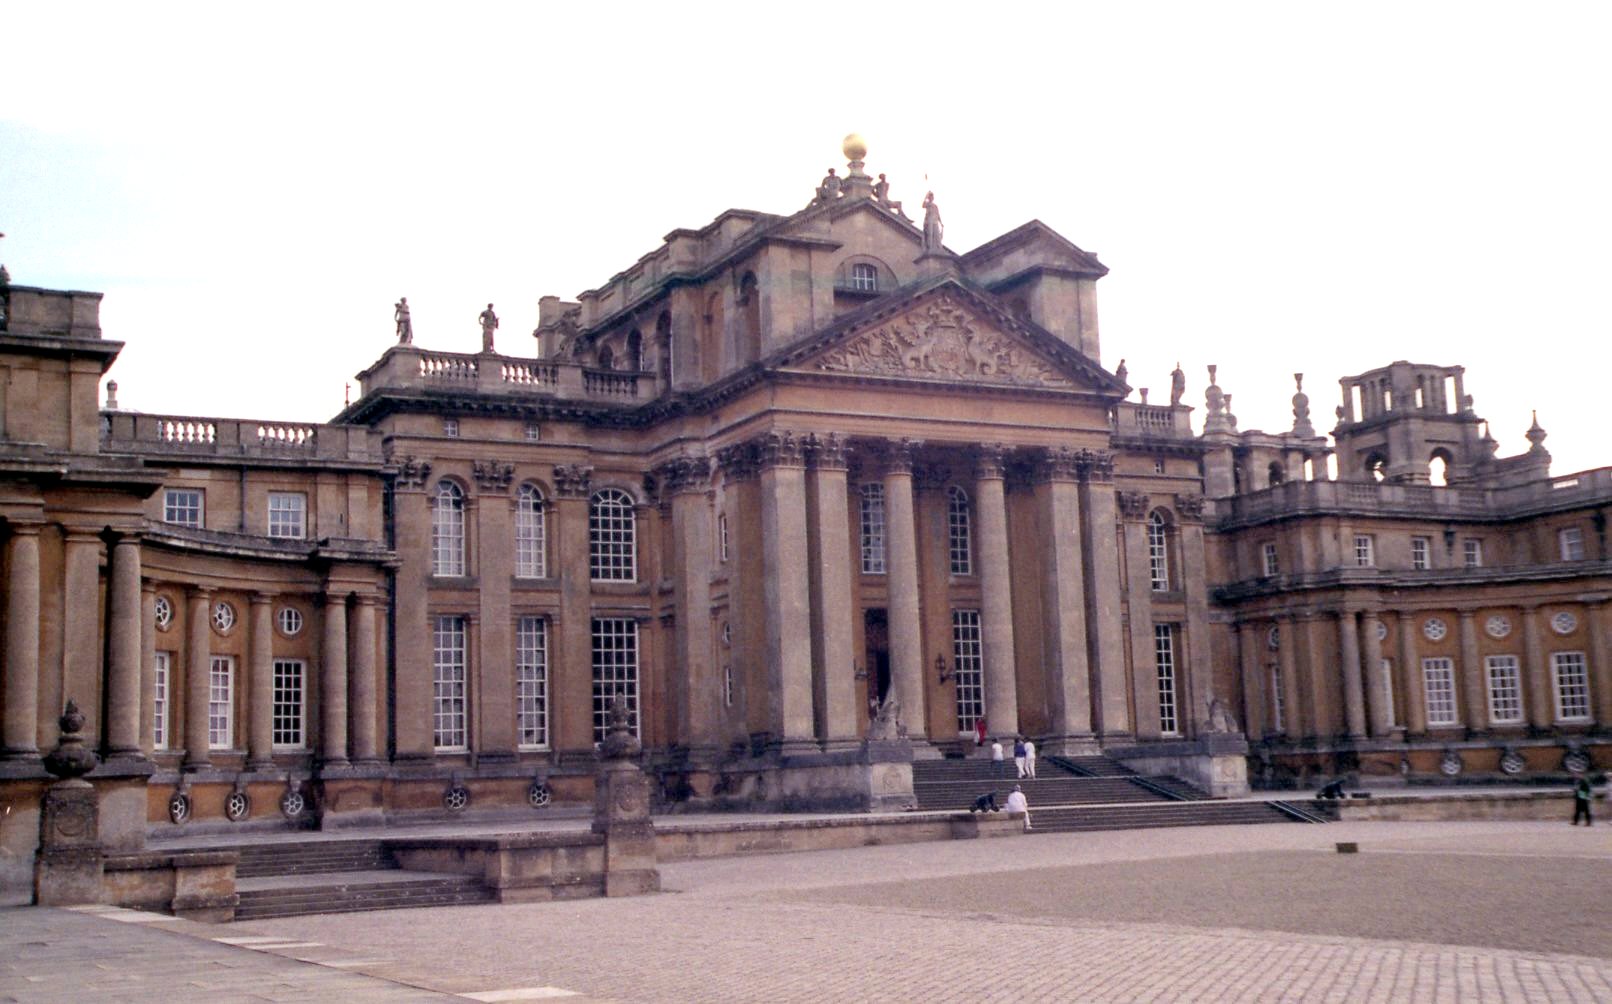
<point x="813" y="494"/>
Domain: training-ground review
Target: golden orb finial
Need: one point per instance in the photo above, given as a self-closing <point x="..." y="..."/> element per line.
<point x="854" y="147"/>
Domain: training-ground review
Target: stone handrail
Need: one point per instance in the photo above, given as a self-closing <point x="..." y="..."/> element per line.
<point x="405" y="367"/>
<point x="1153" y="420"/>
<point x="1434" y="501"/>
<point x="136" y="432"/>
<point x="605" y="383"/>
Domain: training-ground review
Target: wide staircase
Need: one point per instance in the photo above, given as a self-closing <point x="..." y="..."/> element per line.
<point x="290" y="879"/>
<point x="1090" y="793"/>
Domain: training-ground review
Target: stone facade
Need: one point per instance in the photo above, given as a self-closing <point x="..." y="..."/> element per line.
<point x="782" y="473"/>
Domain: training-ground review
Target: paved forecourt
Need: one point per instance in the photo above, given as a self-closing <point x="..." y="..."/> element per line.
<point x="1426" y="911"/>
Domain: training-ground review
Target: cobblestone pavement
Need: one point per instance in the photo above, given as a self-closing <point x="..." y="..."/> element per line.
<point x="1426" y="912"/>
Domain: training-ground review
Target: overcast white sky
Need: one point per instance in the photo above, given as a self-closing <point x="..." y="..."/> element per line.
<point x="1275" y="187"/>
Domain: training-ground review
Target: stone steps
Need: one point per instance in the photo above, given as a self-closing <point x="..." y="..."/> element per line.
<point x="1064" y="791"/>
<point x="390" y="889"/>
<point x="1127" y="817"/>
<point x="311" y="857"/>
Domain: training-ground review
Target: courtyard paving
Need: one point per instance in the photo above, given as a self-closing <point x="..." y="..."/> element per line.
<point x="1425" y="912"/>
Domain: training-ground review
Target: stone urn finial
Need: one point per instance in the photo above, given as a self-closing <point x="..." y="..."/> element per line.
<point x="71" y="758"/>
<point x="620" y="743"/>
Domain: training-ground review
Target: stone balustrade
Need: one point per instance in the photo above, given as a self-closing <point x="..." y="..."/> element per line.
<point x="1417" y="501"/>
<point x="1152" y="421"/>
<point x="405" y="367"/>
<point x="133" y="432"/>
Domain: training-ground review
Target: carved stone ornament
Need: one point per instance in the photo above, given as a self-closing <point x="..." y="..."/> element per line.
<point x="989" y="460"/>
<point x="1449" y="764"/>
<point x="897" y="455"/>
<point x="1098" y="465"/>
<point x="1059" y="464"/>
<point x="620" y="743"/>
<point x="781" y="448"/>
<point x="71" y="758"/>
<point x="1132" y="505"/>
<point x="683" y="474"/>
<point x="739" y="462"/>
<point x="826" y="451"/>
<point x="1189" y="508"/>
<point x="492" y="475"/>
<point x="572" y="480"/>
<point x="942" y="341"/>
<point x="413" y="474"/>
<point x="930" y="477"/>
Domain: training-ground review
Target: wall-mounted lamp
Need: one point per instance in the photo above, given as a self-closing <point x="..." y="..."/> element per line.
<point x="940" y="667"/>
<point x="858" y="672"/>
<point x="1449" y="538"/>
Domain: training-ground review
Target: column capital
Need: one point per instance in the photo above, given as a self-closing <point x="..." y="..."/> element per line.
<point x="739" y="462"/>
<point x="681" y="475"/>
<point x="572" y="481"/>
<point x="897" y="455"/>
<point x="367" y="599"/>
<point x="492" y="477"/>
<point x="259" y="598"/>
<point x="1467" y="615"/>
<point x="194" y="592"/>
<point x="1059" y="463"/>
<point x="781" y="448"/>
<point x="24" y="528"/>
<point x="412" y="475"/>
<point x="1189" y="507"/>
<point x="990" y="461"/>
<point x="336" y="597"/>
<point x="826" y="451"/>
<point x="1098" y="465"/>
<point x="1133" y="506"/>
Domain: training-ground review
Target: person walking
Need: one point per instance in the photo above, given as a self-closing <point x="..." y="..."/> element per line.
<point x="1018" y="755"/>
<point x="1029" y="759"/>
<point x="1581" y="800"/>
<point x="996" y="758"/>
<point x="1016" y="802"/>
<point x="979" y="731"/>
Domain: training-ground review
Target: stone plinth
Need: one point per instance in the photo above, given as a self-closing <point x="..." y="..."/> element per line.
<point x="67" y="871"/>
<point x="621" y="812"/>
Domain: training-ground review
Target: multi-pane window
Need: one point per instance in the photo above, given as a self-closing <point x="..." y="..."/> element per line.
<point x="1572" y="686"/>
<point x="290" y="703"/>
<point x="183" y="507"/>
<point x="968" y="668"/>
<point x="727" y="686"/>
<point x="532" y="682"/>
<point x="1158" y="553"/>
<point x="1505" y="689"/>
<point x="221" y="703"/>
<point x="959" y="539"/>
<point x="1438" y="683"/>
<point x="1472" y="553"/>
<point x="1365" y="551"/>
<point x="531" y="551"/>
<point x="1273" y="562"/>
<point x="448" y="530"/>
<point x="288" y="515"/>
<point x="1421" y="549"/>
<point x="1164" y="659"/>
<point x="1572" y="539"/>
<point x="160" y="701"/>
<point x="450" y="428"/>
<point x="533" y="432"/>
<point x="615" y="671"/>
<point x="722" y="536"/>
<point x="872" y="529"/>
<point x="448" y="682"/>
<point x="864" y="277"/>
<point x="1278" y="704"/>
<point x="612" y="537"/>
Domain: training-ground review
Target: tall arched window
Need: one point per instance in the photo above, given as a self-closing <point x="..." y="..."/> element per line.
<point x="635" y="351"/>
<point x="448" y="530"/>
<point x="612" y="537"/>
<point x="872" y="528"/>
<point x="750" y="313"/>
<point x="1158" y="552"/>
<point x="531" y="538"/>
<point x="607" y="358"/>
<point x="959" y="536"/>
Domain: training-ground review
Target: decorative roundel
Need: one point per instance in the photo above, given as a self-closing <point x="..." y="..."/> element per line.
<point x="1497" y="626"/>
<point x="1576" y="762"/>
<point x="1449" y="764"/>
<point x="1382" y="631"/>
<point x="1512" y="762"/>
<point x="1273" y="641"/>
<point x="456" y="798"/>
<point x="292" y="803"/>
<point x="179" y="807"/>
<point x="165" y="613"/>
<point x="1565" y="622"/>
<point x="290" y="621"/>
<point x="223" y="616"/>
<point x="538" y="794"/>
<point x="237" y="806"/>
<point x="727" y="633"/>
<point x="1434" y="629"/>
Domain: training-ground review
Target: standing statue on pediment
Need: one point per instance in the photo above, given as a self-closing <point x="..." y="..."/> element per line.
<point x="934" y="230"/>
<point x="405" y="327"/>
<point x="1122" y="373"/>
<point x="1178" y="385"/>
<point x="489" y="324"/>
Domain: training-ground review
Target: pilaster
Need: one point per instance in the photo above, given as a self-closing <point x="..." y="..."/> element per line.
<point x="198" y="669"/>
<point x="364" y="682"/>
<point x="333" y="682"/>
<point x="22" y="643"/>
<point x="123" y="652"/>
<point x="1354" y="701"/>
<point x="1195" y="585"/>
<point x="573" y="665"/>
<point x="1474" y="688"/>
<point x="1536" y="670"/>
<point x="260" y="682"/>
<point x="411" y="658"/>
<point x="1139" y="597"/>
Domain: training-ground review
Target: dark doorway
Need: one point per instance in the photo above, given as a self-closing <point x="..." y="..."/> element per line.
<point x="876" y="631"/>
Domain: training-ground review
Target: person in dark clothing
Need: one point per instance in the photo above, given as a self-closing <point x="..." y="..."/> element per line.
<point x="985" y="803"/>
<point x="1581" y="801"/>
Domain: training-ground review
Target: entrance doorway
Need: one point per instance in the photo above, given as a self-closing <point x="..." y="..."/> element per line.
<point x="876" y="634"/>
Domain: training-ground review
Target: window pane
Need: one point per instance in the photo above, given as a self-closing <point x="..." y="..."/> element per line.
<point x="1505" y="689"/>
<point x="873" y="529"/>
<point x="289" y="703"/>
<point x="531" y="554"/>
<point x="288" y="514"/>
<point x="1572" y="686"/>
<point x="615" y="671"/>
<point x="532" y="681"/>
<point x="448" y="681"/>
<point x="182" y="507"/>
<point x="448" y="530"/>
<point x="969" y="668"/>
<point x="159" y="723"/>
<point x="1158" y="554"/>
<point x="1438" y="680"/>
<point x="221" y="703"/>
<point x="1164" y="659"/>
<point x="958" y="526"/>
<point x="612" y="537"/>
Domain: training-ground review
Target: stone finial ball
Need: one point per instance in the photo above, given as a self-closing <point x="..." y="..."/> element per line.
<point x="854" y="147"/>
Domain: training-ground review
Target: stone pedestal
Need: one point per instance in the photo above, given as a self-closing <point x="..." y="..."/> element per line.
<point x="887" y="767"/>
<point x="621" y="812"/>
<point x="67" y="871"/>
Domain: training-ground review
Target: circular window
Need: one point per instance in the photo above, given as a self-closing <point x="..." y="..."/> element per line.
<point x="727" y="633"/>
<point x="292" y="803"/>
<point x="1565" y="622"/>
<point x="290" y="619"/>
<point x="223" y="617"/>
<point x="165" y="613"/>
<point x="1382" y="631"/>
<point x="237" y="806"/>
<point x="179" y="808"/>
<point x="1273" y="640"/>
<point x="538" y="794"/>
<point x="1498" y="626"/>
<point x="1434" y="629"/>
<point x="456" y="798"/>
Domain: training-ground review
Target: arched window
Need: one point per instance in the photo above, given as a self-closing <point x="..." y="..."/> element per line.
<point x="1158" y="552"/>
<point x="607" y="359"/>
<point x="531" y="538"/>
<point x="635" y="351"/>
<point x="1375" y="463"/>
<point x="959" y="538"/>
<point x="750" y="312"/>
<point x="448" y="530"/>
<point x="1438" y="467"/>
<point x="872" y="528"/>
<point x="612" y="537"/>
<point x="1277" y="474"/>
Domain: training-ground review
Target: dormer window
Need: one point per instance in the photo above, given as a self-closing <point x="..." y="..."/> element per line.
<point x="864" y="277"/>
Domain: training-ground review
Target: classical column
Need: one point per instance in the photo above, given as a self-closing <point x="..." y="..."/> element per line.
<point x="81" y="625"/>
<point x="1063" y="600"/>
<point x="1105" y="600"/>
<point x="694" y="690"/>
<point x="1474" y="688"/>
<point x="1250" y="658"/>
<point x="366" y="747"/>
<point x="1415" y="683"/>
<point x="411" y="657"/>
<point x="833" y="643"/>
<point x="1536" y="670"/>
<point x="1194" y="703"/>
<point x="333" y="682"/>
<point x="260" y="683"/>
<point x="1382" y="713"/>
<point x="1139" y="597"/>
<point x="1601" y="660"/>
<point x="148" y="667"/>
<point x="123" y="651"/>
<point x="1349" y="665"/>
<point x="786" y="588"/>
<point x="1287" y="643"/>
<point x="572" y="672"/>
<point x="996" y="594"/>
<point x="198" y="677"/>
<point x="22" y="643"/>
<point x="1320" y="637"/>
<point x="901" y="571"/>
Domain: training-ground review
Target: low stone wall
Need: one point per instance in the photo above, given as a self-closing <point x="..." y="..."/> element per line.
<point x="690" y="841"/>
<point x="195" y="885"/>
<point x="518" y="868"/>
<point x="1215" y="764"/>
<point x="1467" y="805"/>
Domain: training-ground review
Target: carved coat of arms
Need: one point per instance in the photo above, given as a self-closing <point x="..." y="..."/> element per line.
<point x="942" y="341"/>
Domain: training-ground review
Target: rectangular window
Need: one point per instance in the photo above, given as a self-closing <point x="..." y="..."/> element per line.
<point x="865" y="277"/>
<point x="288" y="515"/>
<point x="968" y="667"/>
<point x="1572" y="540"/>
<point x="450" y="428"/>
<point x="722" y="536"/>
<point x="1365" y="551"/>
<point x="727" y="686"/>
<point x="221" y="703"/>
<point x="1472" y="553"/>
<point x="1438" y="682"/>
<point x="183" y="507"/>
<point x="290" y="704"/>
<point x="1273" y="562"/>
<point x="533" y="432"/>
<point x="959" y="533"/>
<point x="1421" y="548"/>
<point x="1158" y="554"/>
<point x="615" y="671"/>
<point x="1278" y="705"/>
<point x="448" y="682"/>
<point x="1164" y="659"/>
<point x="1505" y="689"/>
<point x="872" y="529"/>
<point x="1572" y="686"/>
<point x="532" y="682"/>
<point x="160" y="701"/>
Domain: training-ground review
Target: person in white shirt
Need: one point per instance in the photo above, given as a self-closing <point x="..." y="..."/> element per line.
<point x="996" y="756"/>
<point x="1029" y="758"/>
<point x="1016" y="802"/>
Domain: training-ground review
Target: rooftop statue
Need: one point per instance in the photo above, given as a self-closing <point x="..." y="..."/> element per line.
<point x="934" y="230"/>
<point x="829" y="190"/>
<point x="1178" y="385"/>
<point x="1121" y="373"/>
<point x="405" y="327"/>
<point x="489" y="324"/>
